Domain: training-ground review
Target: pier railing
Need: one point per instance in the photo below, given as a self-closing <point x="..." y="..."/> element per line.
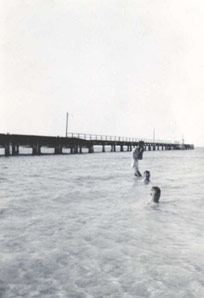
<point x="86" y="136"/>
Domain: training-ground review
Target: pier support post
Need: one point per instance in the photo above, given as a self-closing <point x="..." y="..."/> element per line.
<point x="121" y="148"/>
<point x="39" y="150"/>
<point x="58" y="149"/>
<point x="154" y="147"/>
<point x="36" y="149"/>
<point x="112" y="148"/>
<point x="75" y="149"/>
<point x="91" y="150"/>
<point x="103" y="148"/>
<point x="80" y="149"/>
<point x="15" y="149"/>
<point x="7" y="149"/>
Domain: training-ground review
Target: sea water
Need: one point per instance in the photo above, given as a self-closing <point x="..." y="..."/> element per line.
<point x="81" y="226"/>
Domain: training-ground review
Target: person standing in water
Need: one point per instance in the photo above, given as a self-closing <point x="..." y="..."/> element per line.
<point x="137" y="154"/>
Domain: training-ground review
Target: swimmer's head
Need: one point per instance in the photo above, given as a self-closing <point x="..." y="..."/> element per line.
<point x="155" y="193"/>
<point x="147" y="175"/>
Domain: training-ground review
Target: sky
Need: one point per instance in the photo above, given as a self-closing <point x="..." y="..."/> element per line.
<point x="120" y="68"/>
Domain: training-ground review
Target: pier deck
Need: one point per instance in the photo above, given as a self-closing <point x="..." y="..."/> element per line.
<point x="11" y="143"/>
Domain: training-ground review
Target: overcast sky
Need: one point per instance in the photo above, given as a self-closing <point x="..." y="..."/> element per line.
<point x="119" y="67"/>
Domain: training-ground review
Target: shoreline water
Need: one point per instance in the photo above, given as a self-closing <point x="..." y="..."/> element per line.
<point x="80" y="227"/>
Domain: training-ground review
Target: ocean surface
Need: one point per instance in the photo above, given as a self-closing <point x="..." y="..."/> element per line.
<point x="82" y="226"/>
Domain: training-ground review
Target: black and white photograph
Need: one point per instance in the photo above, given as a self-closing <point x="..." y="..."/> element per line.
<point x="101" y="149"/>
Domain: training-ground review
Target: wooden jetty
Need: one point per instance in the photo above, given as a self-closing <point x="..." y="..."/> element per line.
<point x="75" y="142"/>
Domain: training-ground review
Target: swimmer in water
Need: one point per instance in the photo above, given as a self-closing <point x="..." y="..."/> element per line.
<point x="155" y="193"/>
<point x="137" y="154"/>
<point x="146" y="179"/>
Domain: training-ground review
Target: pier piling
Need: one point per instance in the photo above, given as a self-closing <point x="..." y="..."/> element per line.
<point x="7" y="149"/>
<point x="91" y="149"/>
